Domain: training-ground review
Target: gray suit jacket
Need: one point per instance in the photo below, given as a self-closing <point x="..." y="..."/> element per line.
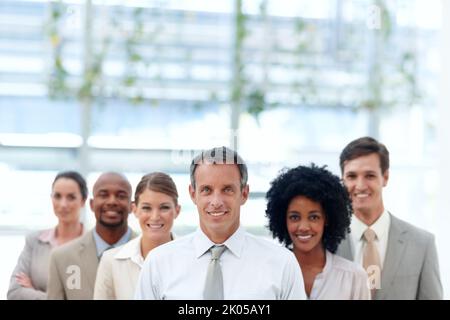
<point x="73" y="268"/>
<point x="411" y="266"/>
<point x="33" y="261"/>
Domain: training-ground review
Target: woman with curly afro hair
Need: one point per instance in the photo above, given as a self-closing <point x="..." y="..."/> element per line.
<point x="309" y="211"/>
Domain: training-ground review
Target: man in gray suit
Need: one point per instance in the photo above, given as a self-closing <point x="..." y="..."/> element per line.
<point x="401" y="259"/>
<point x="73" y="266"/>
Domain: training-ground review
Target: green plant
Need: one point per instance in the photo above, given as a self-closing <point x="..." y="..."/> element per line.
<point x="390" y="72"/>
<point x="305" y="84"/>
<point x="99" y="43"/>
<point x="238" y="84"/>
<point x="57" y="79"/>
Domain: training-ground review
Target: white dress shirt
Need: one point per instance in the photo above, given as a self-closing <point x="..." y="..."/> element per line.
<point x="252" y="268"/>
<point x="381" y="228"/>
<point x="340" y="279"/>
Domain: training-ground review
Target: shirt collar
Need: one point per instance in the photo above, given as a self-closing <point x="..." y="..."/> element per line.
<point x="101" y="245"/>
<point x="49" y="236"/>
<point x="131" y="250"/>
<point x="380" y="227"/>
<point x="235" y="243"/>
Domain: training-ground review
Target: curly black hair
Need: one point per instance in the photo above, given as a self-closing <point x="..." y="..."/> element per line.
<point x="319" y="185"/>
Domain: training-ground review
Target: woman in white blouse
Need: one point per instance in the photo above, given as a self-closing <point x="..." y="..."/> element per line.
<point x="155" y="206"/>
<point x="309" y="211"/>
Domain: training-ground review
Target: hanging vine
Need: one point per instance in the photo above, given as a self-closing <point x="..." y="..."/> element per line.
<point x="57" y="79"/>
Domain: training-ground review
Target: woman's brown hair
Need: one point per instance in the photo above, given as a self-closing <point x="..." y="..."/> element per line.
<point x="157" y="182"/>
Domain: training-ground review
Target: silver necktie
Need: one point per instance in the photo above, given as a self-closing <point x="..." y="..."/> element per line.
<point x="214" y="280"/>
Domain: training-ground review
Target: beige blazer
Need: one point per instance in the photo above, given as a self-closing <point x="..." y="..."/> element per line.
<point x="411" y="266"/>
<point x="73" y="268"/>
<point x="118" y="272"/>
<point x="33" y="261"/>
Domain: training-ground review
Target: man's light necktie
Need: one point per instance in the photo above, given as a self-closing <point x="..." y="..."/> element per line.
<point x="371" y="259"/>
<point x="214" y="280"/>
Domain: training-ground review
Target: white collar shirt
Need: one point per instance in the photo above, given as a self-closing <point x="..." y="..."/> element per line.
<point x="252" y="268"/>
<point x="381" y="228"/>
<point x="132" y="251"/>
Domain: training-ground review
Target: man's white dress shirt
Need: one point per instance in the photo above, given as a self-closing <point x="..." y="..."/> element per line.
<point x="252" y="268"/>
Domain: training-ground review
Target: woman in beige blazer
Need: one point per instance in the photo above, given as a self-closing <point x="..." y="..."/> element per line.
<point x="29" y="278"/>
<point x="155" y="206"/>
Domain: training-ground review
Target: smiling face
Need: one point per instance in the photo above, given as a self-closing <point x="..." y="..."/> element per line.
<point x="67" y="200"/>
<point x="305" y="221"/>
<point x="364" y="181"/>
<point x="112" y="200"/>
<point x="156" y="212"/>
<point x="218" y="197"/>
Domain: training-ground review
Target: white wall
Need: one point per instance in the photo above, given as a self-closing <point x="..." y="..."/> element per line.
<point x="12" y="246"/>
<point x="443" y="159"/>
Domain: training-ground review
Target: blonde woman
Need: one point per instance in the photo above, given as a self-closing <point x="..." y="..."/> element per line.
<point x="29" y="278"/>
<point x="155" y="206"/>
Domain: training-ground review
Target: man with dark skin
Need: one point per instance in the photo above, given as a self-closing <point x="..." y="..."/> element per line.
<point x="111" y="204"/>
<point x="73" y="267"/>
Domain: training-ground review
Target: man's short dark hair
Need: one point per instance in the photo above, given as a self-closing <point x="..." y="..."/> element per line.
<point x="363" y="147"/>
<point x="220" y="155"/>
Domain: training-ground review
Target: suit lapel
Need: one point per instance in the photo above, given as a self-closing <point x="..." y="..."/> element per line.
<point x="394" y="253"/>
<point x="345" y="249"/>
<point x="88" y="259"/>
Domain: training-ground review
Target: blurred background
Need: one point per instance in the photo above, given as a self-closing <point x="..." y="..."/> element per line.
<point x="142" y="86"/>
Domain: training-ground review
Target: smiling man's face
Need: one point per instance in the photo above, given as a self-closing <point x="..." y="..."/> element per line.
<point x="364" y="181"/>
<point x="218" y="197"/>
<point x="112" y="200"/>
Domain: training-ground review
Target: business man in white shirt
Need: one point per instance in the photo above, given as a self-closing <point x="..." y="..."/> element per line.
<point x="401" y="259"/>
<point x="243" y="266"/>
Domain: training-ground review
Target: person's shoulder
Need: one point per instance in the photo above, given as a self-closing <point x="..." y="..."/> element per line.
<point x="38" y="237"/>
<point x="126" y="250"/>
<point x="181" y="243"/>
<point x="33" y="236"/>
<point x="267" y="245"/>
<point x="73" y="245"/>
<point x="416" y="233"/>
<point x="109" y="254"/>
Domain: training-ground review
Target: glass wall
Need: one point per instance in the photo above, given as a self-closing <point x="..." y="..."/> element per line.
<point x="164" y="79"/>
